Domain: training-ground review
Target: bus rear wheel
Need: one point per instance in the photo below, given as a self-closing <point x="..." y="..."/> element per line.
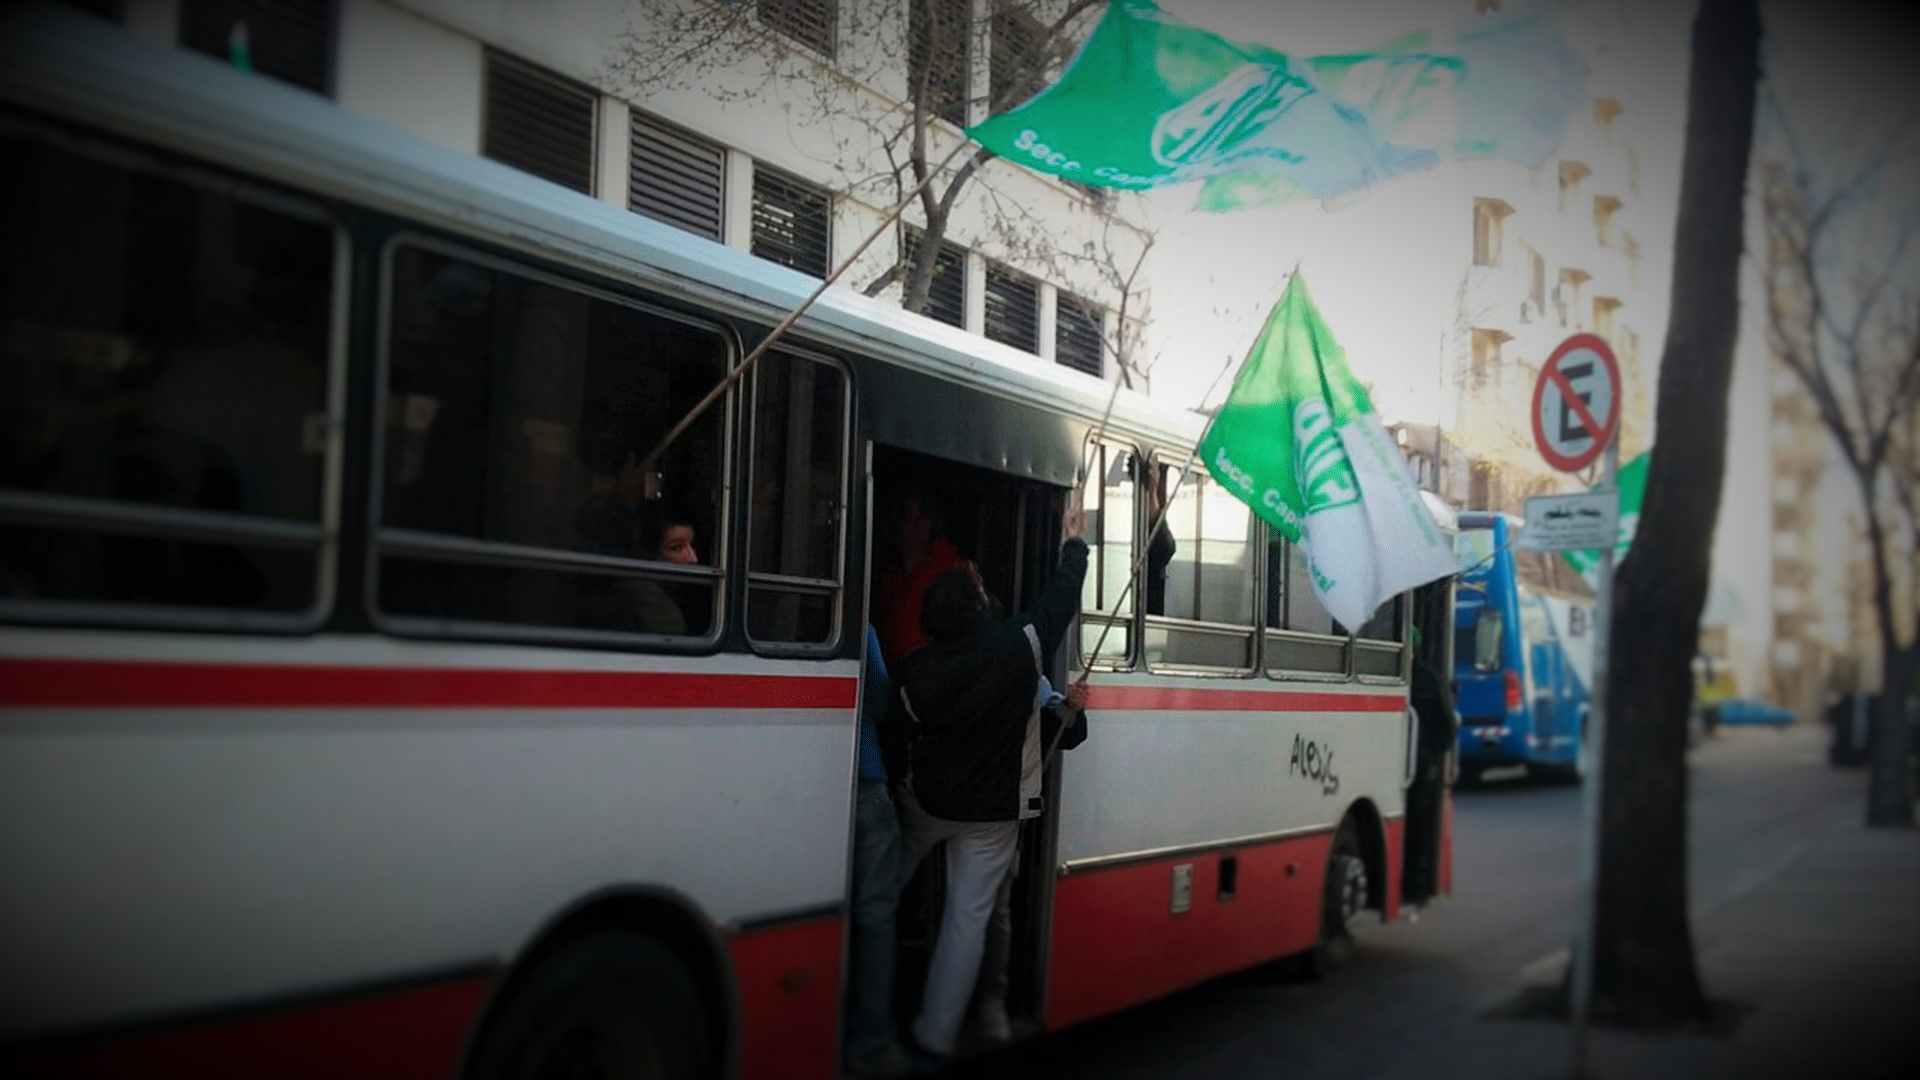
<point x="1343" y="897"/>
<point x="606" y="1004"/>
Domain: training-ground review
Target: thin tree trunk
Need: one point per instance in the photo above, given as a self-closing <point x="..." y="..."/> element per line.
<point x="1889" y="779"/>
<point x="1644" y="970"/>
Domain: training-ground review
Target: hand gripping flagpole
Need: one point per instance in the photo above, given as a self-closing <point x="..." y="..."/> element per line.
<point x="747" y="362"/>
<point x="1140" y="557"/>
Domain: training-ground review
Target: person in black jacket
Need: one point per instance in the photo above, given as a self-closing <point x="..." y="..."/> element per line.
<point x="966" y="730"/>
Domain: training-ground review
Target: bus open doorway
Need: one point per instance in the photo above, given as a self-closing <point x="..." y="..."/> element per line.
<point x="1008" y="526"/>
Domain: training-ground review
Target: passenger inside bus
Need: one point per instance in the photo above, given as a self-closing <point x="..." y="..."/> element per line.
<point x="920" y="553"/>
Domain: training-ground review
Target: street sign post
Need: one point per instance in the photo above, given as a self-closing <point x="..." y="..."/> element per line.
<point x="1576" y="420"/>
<point x="1589" y="519"/>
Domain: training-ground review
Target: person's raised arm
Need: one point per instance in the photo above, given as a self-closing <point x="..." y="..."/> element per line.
<point x="1053" y="612"/>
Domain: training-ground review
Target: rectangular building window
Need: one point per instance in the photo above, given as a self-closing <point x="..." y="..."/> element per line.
<point x="1486" y="352"/>
<point x="809" y="22"/>
<point x="538" y="122"/>
<point x="1488" y="215"/>
<point x="518" y="412"/>
<point x="947" y="293"/>
<point x="1604" y="207"/>
<point x="799" y="501"/>
<point x="938" y="61"/>
<point x="1079" y="334"/>
<point x="1537" y="280"/>
<point x="792" y="221"/>
<point x="290" y="40"/>
<point x="163" y="392"/>
<point x="1013" y="308"/>
<point x="677" y="176"/>
<point x="1016" y="58"/>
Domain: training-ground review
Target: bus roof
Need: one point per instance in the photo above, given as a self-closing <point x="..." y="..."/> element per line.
<point x="71" y="65"/>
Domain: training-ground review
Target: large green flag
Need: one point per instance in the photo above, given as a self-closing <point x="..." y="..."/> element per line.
<point x="1631" y="482"/>
<point x="1150" y="100"/>
<point x="1297" y="440"/>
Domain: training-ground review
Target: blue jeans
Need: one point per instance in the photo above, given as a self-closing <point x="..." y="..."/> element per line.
<point x="877" y="880"/>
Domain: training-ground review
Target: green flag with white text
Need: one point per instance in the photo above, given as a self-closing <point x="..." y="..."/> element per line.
<point x="1297" y="440"/>
<point x="1151" y="100"/>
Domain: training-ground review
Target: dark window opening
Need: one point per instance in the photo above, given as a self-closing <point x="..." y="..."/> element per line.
<point x="538" y="122"/>
<point x="1013" y="308"/>
<point x="290" y="40"/>
<point x="676" y="176"/>
<point x="518" y="414"/>
<point x="809" y="22"/>
<point x="1078" y="335"/>
<point x="164" y="350"/>
<point x="798" y="485"/>
<point x="792" y="221"/>
<point x="938" y="58"/>
<point x="947" y="293"/>
<point x="1017" y="60"/>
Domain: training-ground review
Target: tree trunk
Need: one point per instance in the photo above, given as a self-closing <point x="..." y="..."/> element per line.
<point x="1644" y="971"/>
<point x="1889" y="778"/>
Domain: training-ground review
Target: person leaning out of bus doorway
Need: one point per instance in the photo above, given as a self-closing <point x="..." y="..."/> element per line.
<point x="965" y="730"/>
<point x="921" y="553"/>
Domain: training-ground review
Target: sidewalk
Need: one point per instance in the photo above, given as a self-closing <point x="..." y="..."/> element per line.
<point x="1823" y="952"/>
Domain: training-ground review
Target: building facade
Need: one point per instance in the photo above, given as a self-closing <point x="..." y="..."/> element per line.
<point x="784" y="139"/>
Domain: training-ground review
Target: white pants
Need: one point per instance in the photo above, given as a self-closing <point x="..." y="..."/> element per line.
<point x="979" y="854"/>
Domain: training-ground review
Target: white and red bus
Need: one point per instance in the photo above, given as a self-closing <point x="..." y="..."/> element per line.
<point x="350" y="726"/>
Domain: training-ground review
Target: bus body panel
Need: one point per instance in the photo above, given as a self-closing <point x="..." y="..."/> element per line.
<point x="1133" y="821"/>
<point x="1271" y="758"/>
<point x="155" y="831"/>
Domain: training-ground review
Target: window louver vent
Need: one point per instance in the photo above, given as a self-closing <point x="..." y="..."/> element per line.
<point x="791" y="221"/>
<point x="1013" y="309"/>
<point x="539" y="122"/>
<point x="947" y="295"/>
<point x="677" y="177"/>
<point x="290" y="40"/>
<point x="1077" y="336"/>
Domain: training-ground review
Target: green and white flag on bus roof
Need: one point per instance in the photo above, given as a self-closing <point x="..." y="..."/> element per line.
<point x="1297" y="440"/>
<point x="1151" y="100"/>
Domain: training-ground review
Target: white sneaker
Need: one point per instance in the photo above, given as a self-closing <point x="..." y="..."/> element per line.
<point x="990" y="1019"/>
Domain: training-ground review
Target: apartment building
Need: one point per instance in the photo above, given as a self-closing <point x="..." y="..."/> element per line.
<point x="776" y="142"/>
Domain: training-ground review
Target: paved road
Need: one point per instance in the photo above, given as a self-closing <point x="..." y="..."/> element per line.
<point x="1760" y="798"/>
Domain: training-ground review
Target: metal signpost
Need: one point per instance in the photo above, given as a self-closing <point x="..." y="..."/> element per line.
<point x="1576" y="419"/>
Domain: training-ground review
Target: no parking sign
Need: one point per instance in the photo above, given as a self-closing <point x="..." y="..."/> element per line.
<point x="1576" y="403"/>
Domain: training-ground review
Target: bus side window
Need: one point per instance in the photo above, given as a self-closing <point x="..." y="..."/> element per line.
<point x="518" y="411"/>
<point x="1307" y="643"/>
<point x="164" y="412"/>
<point x="798" y="484"/>
<point x="1210" y="577"/>
<point x="1110" y="502"/>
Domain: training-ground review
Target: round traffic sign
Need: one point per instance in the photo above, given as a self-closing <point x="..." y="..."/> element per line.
<point x="1576" y="403"/>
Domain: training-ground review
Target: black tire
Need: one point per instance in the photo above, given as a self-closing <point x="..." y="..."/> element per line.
<point x="1343" y="897"/>
<point x="607" y="1004"/>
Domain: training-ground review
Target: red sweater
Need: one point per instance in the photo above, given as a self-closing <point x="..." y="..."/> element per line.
<point x="898" y="593"/>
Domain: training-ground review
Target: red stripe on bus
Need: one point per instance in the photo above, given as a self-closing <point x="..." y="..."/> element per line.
<point x="1162" y="698"/>
<point x="417" y="1031"/>
<point x="128" y="683"/>
<point x="789" y="981"/>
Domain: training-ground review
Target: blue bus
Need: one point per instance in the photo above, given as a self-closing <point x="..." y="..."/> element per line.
<point x="1522" y="660"/>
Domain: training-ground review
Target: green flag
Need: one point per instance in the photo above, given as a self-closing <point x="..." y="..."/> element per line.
<point x="1297" y="440"/>
<point x="1150" y="100"/>
<point x="1631" y="482"/>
